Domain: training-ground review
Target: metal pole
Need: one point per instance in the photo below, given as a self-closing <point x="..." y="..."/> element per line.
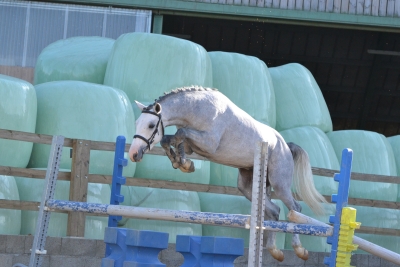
<point x="43" y="219"/>
<point x="259" y="192"/>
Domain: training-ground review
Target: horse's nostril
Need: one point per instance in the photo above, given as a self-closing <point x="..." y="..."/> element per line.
<point x="133" y="157"/>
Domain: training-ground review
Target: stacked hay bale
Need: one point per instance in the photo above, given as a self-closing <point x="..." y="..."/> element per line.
<point x="73" y="102"/>
<point x="17" y="112"/>
<point x="145" y="66"/>
<point x="240" y="78"/>
<point x="302" y="117"/>
<point x="373" y="154"/>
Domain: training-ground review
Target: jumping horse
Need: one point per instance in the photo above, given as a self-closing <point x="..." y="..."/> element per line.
<point x="212" y="126"/>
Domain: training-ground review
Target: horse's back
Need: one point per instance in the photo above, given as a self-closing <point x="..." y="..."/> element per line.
<point x="239" y="133"/>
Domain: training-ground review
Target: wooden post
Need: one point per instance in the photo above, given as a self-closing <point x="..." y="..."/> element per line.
<point x="79" y="185"/>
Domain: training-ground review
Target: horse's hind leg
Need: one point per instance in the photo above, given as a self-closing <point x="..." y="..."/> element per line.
<point x="272" y="213"/>
<point x="245" y="185"/>
<point x="283" y="192"/>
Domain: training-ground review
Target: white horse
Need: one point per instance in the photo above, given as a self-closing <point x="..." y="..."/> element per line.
<point x="210" y="125"/>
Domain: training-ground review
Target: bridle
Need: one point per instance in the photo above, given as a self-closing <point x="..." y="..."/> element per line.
<point x="151" y="138"/>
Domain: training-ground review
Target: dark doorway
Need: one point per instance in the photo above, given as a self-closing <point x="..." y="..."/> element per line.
<point x="360" y="84"/>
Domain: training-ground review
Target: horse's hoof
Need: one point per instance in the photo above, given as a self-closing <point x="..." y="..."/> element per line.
<point x="187" y="167"/>
<point x="176" y="165"/>
<point x="276" y="254"/>
<point x="191" y="167"/>
<point x="301" y="252"/>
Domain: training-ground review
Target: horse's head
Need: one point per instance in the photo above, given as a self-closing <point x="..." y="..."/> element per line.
<point x="149" y="130"/>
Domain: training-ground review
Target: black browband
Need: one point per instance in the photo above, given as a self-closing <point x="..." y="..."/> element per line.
<point x="151" y="139"/>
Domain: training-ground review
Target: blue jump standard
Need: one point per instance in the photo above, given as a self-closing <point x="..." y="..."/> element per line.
<point x="133" y="248"/>
<point x="341" y="199"/>
<point x="117" y="181"/>
<point x="209" y="251"/>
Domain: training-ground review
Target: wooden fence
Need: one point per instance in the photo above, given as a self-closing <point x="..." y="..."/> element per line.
<point x="79" y="178"/>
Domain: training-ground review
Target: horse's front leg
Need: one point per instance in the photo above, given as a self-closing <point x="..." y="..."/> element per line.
<point x="203" y="140"/>
<point x="176" y="159"/>
<point x="166" y="143"/>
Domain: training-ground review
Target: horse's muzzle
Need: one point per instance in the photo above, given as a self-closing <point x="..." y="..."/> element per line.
<point x="137" y="156"/>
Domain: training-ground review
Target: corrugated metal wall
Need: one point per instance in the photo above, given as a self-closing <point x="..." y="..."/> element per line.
<point x="28" y="27"/>
<point x="383" y="8"/>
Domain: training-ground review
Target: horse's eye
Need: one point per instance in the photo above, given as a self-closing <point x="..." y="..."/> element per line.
<point x="151" y="126"/>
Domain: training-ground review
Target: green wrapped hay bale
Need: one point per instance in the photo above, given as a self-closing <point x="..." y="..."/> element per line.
<point x="299" y="101"/>
<point x="96" y="225"/>
<point x="246" y="81"/>
<point x="372" y="154"/>
<point x="10" y="220"/>
<point x="241" y="78"/>
<point x="223" y="175"/>
<point x="160" y="168"/>
<point x="78" y="58"/>
<point x="380" y="218"/>
<point x="395" y="143"/>
<point x="218" y="203"/>
<point x="32" y="190"/>
<point x="313" y="243"/>
<point x="84" y="111"/>
<point x="319" y="150"/>
<point x="146" y="65"/>
<point x="165" y="199"/>
<point x="18" y="107"/>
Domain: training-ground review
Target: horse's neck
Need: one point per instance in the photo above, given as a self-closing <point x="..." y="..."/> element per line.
<point x="181" y="110"/>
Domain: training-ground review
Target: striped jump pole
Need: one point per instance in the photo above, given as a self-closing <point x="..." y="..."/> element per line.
<point x="221" y="219"/>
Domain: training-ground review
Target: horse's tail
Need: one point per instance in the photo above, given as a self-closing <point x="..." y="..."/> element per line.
<point x="303" y="180"/>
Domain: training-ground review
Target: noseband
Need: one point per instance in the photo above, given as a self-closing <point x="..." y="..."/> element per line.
<point x="151" y="139"/>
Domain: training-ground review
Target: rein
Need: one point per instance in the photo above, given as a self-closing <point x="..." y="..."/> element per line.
<point x="151" y="139"/>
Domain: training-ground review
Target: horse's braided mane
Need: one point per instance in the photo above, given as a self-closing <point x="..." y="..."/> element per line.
<point x="185" y="89"/>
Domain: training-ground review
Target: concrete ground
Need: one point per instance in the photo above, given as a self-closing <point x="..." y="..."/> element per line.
<point x="80" y="252"/>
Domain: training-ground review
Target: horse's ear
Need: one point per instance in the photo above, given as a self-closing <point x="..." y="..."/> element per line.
<point x="140" y="105"/>
<point x="157" y="108"/>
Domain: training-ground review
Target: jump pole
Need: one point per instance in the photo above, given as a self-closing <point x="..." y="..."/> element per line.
<point x="363" y="244"/>
<point x="221" y="219"/>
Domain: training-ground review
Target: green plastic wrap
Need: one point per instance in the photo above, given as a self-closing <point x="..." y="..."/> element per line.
<point x="160" y="168"/>
<point x="165" y="199"/>
<point x="32" y="190"/>
<point x="218" y="203"/>
<point x="78" y="58"/>
<point x="246" y="81"/>
<point x="146" y="65"/>
<point x="223" y="175"/>
<point x="372" y="154"/>
<point x="382" y="218"/>
<point x="313" y="243"/>
<point x="319" y="150"/>
<point x="299" y="101"/>
<point x="86" y="111"/>
<point x="395" y="143"/>
<point x="18" y="108"/>
<point x="96" y="225"/>
<point x="10" y="220"/>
